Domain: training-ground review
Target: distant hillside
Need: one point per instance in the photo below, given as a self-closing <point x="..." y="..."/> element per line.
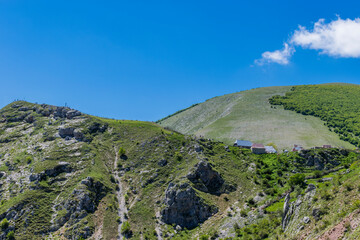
<point x="248" y="115"/>
<point x="337" y="105"/>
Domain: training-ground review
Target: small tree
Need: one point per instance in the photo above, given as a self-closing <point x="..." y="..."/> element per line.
<point x="125" y="228"/>
<point x="4" y="224"/>
<point x="178" y="156"/>
<point x="11" y="235"/>
<point x="204" y="237"/>
<point x="122" y="151"/>
<point x="297" y="179"/>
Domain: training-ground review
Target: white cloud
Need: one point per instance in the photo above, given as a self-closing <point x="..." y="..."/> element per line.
<point x="338" y="38"/>
<point x="278" y="56"/>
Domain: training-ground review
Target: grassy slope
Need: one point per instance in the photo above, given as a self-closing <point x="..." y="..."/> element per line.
<point x="146" y="144"/>
<point x="248" y="115"/>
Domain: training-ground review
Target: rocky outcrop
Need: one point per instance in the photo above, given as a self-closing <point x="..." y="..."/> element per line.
<point x="97" y="127"/>
<point x="71" y="132"/>
<point x="83" y="200"/>
<point x="184" y="208"/>
<point x="320" y="159"/>
<point x="296" y="213"/>
<point x="62" y="167"/>
<point x="205" y="178"/>
<point x="66" y="132"/>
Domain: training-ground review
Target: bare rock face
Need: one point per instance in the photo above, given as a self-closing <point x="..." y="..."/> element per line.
<point x="184" y="207"/>
<point x="205" y="178"/>
<point x="65" y="112"/>
<point x="83" y="200"/>
<point x="71" y="132"/>
<point x="62" y="167"/>
<point x="66" y="132"/>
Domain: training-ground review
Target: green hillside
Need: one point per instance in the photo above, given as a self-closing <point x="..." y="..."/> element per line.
<point x="248" y="115"/>
<point x="337" y="105"/>
<point x="68" y="175"/>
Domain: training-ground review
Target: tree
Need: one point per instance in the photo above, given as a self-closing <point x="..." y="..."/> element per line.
<point x="122" y="151"/>
<point x="125" y="228"/>
<point x="4" y="224"/>
<point x="297" y="179"/>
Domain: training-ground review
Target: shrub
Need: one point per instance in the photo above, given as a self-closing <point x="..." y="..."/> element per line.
<point x="243" y="213"/>
<point x="204" y="237"/>
<point x="178" y="156"/>
<point x="251" y="202"/>
<point x="347" y="225"/>
<point x="125" y="228"/>
<point x="297" y="179"/>
<point x="29" y="159"/>
<point x="214" y="235"/>
<point x="326" y="195"/>
<point x="112" y="179"/>
<point x="122" y="151"/>
<point x="11" y="235"/>
<point x="317" y="174"/>
<point x="356" y="205"/>
<point x="348" y="187"/>
<point x="4" y="224"/>
<point x="236" y="226"/>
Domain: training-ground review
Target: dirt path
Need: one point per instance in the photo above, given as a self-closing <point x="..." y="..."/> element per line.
<point x="122" y="210"/>
<point x="158" y="226"/>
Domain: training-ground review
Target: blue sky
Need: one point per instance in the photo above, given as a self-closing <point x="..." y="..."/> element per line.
<point x="143" y="60"/>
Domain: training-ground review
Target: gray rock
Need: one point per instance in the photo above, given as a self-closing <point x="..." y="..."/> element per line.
<point x="306" y="220"/>
<point x="326" y="179"/>
<point x="205" y="178"/>
<point x="72" y="113"/>
<point x="78" y="135"/>
<point x="310" y="187"/>
<point x="66" y="132"/>
<point x="162" y="162"/>
<point x="184" y="208"/>
<point x="198" y="148"/>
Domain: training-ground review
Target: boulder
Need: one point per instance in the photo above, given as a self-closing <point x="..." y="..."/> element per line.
<point x="60" y="168"/>
<point x="66" y="132"/>
<point x="72" y="113"/>
<point x="162" y="162"/>
<point x="205" y="178"/>
<point x="184" y="208"/>
<point x="78" y="135"/>
<point x="97" y="127"/>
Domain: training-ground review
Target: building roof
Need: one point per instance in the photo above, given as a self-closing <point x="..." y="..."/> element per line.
<point x="257" y="145"/>
<point x="270" y="149"/>
<point x="297" y="149"/>
<point x="243" y="143"/>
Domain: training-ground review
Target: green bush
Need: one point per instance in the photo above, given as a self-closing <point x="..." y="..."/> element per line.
<point x="122" y="151"/>
<point x="11" y="235"/>
<point x="178" y="156"/>
<point x="112" y="179"/>
<point x="125" y="228"/>
<point x="29" y="159"/>
<point x="317" y="174"/>
<point x="243" y="213"/>
<point x="348" y="187"/>
<point x="4" y="224"/>
<point x="297" y="179"/>
<point x="204" y="237"/>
